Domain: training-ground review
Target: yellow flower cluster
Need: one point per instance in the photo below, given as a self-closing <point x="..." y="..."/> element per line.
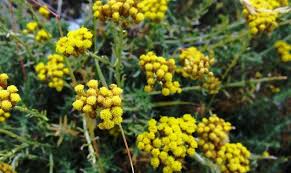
<point x="53" y="72"/>
<point x="212" y="135"/>
<point x="42" y="35"/>
<point x="117" y="9"/>
<point x="264" y="19"/>
<point x="8" y="97"/>
<point x="159" y="70"/>
<point x="284" y="49"/>
<point x="5" y="168"/>
<point x="31" y="26"/>
<point x="233" y="158"/>
<point x="212" y="84"/>
<point x="169" y="141"/>
<point x="195" y="65"/>
<point x="153" y="9"/>
<point x="103" y="102"/>
<point x="75" y="43"/>
<point x="43" y="10"/>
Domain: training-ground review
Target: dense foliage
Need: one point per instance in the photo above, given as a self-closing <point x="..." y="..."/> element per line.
<point x="149" y="85"/>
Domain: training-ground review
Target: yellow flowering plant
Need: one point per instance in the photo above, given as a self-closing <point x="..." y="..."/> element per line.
<point x="53" y="72"/>
<point x="143" y="62"/>
<point x="159" y="70"/>
<point x="5" y="168"/>
<point x="169" y="141"/>
<point x="212" y="135"/>
<point x="104" y="103"/>
<point x="117" y="10"/>
<point x="233" y="158"/>
<point x="262" y="16"/>
<point x="43" y="10"/>
<point x="283" y="49"/>
<point x="9" y="97"/>
<point x="75" y="43"/>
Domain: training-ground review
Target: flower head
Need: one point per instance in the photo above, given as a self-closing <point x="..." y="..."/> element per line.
<point x="75" y="43"/>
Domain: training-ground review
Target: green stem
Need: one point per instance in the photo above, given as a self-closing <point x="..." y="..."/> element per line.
<point x="100" y="74"/>
<point x="234" y="84"/>
<point x="117" y="51"/>
<point x="19" y="138"/>
<point x="98" y="58"/>
<point x="255" y="81"/>
<point x="68" y="64"/>
<point x="172" y="103"/>
<point x="260" y="157"/>
<point x="206" y="162"/>
<point x="35" y="113"/>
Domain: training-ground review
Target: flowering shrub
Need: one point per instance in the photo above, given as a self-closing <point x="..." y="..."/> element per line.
<point x="136" y="61"/>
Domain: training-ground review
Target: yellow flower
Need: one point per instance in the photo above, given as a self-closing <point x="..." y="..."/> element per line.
<point x="118" y="11"/>
<point x="159" y="70"/>
<point x="168" y="141"/>
<point x="262" y="20"/>
<point x="42" y="35"/>
<point x="283" y="49"/>
<point x="213" y="134"/>
<point x="53" y="72"/>
<point x="43" y="10"/>
<point x="4" y="94"/>
<point x="8" y="97"/>
<point x="12" y="89"/>
<point x="93" y="84"/>
<point x="233" y="158"/>
<point x="31" y="26"/>
<point x="75" y="43"/>
<point x="104" y="103"/>
<point x="5" y="168"/>
<point x="6" y="105"/>
<point x="153" y="9"/>
<point x="78" y="105"/>
<point x="15" y="98"/>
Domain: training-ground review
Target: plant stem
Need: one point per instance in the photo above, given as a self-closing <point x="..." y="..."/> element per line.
<point x="127" y="149"/>
<point x="234" y="84"/>
<point x="19" y="138"/>
<point x="104" y="61"/>
<point x="117" y="51"/>
<point x="89" y="126"/>
<point x="172" y="103"/>
<point x="92" y="155"/>
<point x="100" y="74"/>
<point x="206" y="162"/>
<point x="68" y="64"/>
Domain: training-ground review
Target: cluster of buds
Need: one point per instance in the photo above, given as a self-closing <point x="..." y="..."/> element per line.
<point x="44" y="11"/>
<point x="153" y="9"/>
<point x="53" y="72"/>
<point x="195" y="65"/>
<point x="159" y="70"/>
<point x="211" y="83"/>
<point x="284" y="50"/>
<point x="9" y="97"/>
<point x="169" y="141"/>
<point x="261" y="15"/>
<point x="105" y="103"/>
<point x="213" y="133"/>
<point x="75" y="43"/>
<point x="40" y="34"/>
<point x="233" y="158"/>
<point x="5" y="168"/>
<point x="117" y="10"/>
